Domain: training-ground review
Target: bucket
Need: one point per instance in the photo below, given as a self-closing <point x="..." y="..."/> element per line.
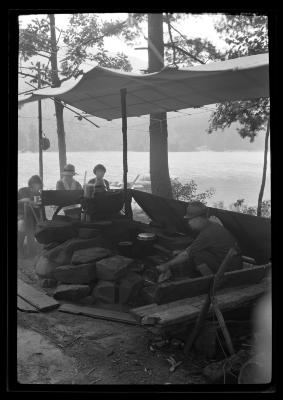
<point x="125" y="248"/>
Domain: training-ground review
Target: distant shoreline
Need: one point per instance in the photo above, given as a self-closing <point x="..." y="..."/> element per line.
<point x="143" y="151"/>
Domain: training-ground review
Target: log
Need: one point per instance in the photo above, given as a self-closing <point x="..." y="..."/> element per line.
<point x="99" y="313"/>
<point x="38" y="299"/>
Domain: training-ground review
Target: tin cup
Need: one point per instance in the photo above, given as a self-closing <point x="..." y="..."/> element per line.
<point x="37" y="199"/>
<point x="88" y="190"/>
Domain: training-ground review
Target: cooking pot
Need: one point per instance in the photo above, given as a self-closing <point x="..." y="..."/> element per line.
<point x="144" y="243"/>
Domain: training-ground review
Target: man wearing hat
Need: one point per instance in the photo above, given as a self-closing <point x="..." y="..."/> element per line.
<point x="209" y="248"/>
<point x="67" y="182"/>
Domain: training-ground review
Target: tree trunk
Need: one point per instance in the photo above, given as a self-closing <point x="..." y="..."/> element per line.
<point x="59" y="108"/>
<point x="260" y="196"/>
<point x="61" y="135"/>
<point x="159" y="170"/>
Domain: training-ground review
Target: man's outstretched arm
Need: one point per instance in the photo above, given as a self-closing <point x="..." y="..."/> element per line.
<point x="179" y="259"/>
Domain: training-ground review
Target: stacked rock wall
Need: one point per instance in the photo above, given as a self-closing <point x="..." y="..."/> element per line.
<point x="87" y="271"/>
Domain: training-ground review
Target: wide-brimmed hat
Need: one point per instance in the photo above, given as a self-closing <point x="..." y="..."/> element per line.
<point x="69" y="169"/>
<point x="196" y="209"/>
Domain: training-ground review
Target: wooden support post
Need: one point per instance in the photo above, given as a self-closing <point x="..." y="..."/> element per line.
<point x="260" y="196"/>
<point x="128" y="211"/>
<point x="40" y="128"/>
<point x="123" y="93"/>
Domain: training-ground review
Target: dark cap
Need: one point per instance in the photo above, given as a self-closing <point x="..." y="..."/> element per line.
<point x="196" y="209"/>
<point x="35" y="179"/>
<point x="99" y="166"/>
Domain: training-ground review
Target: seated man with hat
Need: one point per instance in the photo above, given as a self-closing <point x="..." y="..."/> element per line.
<point x="206" y="253"/>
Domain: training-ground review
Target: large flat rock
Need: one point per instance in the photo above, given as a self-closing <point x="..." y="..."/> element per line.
<point x="62" y="254"/>
<point x="90" y="255"/>
<point x="83" y="273"/>
<point x="130" y="287"/>
<point x="71" y="292"/>
<point x="104" y="291"/>
<point x="45" y="268"/>
<point x="113" y="268"/>
<point x="54" y="231"/>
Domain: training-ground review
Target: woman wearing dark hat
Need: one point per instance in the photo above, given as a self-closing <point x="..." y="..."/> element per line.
<point x="28" y="212"/>
<point x="100" y="184"/>
<point x="67" y="182"/>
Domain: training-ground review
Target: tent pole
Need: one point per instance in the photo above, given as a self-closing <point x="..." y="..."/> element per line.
<point x="40" y="129"/>
<point x="128" y="210"/>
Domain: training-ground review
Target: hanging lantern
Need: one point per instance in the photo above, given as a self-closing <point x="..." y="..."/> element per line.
<point x="45" y="143"/>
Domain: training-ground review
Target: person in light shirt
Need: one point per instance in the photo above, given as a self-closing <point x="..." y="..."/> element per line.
<point x="28" y="213"/>
<point x="67" y="182"/>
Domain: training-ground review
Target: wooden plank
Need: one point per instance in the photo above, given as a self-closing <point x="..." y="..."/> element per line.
<point x="162" y="317"/>
<point x="38" y="299"/>
<point x="228" y="300"/>
<point x="24" y="306"/>
<point x="140" y="312"/>
<point x="177" y="290"/>
<point x="196" y="301"/>
<point x="167" y="292"/>
<point x="99" y="313"/>
<point x="143" y="311"/>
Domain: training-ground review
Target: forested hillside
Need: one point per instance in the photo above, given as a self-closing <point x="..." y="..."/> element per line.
<point x="186" y="132"/>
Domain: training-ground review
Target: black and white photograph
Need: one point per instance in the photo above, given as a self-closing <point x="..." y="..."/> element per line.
<point x="144" y="200"/>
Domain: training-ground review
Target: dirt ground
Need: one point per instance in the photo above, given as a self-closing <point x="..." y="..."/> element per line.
<point x="60" y="348"/>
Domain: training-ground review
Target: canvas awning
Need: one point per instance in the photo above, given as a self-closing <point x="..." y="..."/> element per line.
<point x="251" y="232"/>
<point x="97" y="92"/>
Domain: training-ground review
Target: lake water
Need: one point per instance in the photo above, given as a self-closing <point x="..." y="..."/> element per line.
<point x="233" y="175"/>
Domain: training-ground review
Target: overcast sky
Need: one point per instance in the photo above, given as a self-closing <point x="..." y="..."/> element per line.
<point x="194" y="26"/>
